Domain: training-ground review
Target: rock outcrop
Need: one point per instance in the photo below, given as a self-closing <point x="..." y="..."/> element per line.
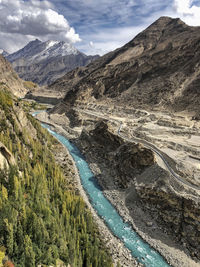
<point x="6" y="157"/>
<point x="125" y="160"/>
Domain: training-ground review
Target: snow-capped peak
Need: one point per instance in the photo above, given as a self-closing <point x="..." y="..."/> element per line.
<point x="51" y="43"/>
<point x="36" y="51"/>
<point x="59" y="48"/>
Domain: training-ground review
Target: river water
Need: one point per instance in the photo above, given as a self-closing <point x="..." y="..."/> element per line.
<point x="139" y="248"/>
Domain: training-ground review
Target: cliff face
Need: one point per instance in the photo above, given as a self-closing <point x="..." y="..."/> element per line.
<point x="124" y="160"/>
<point x="10" y="79"/>
<point x="159" y="67"/>
<point x="176" y="208"/>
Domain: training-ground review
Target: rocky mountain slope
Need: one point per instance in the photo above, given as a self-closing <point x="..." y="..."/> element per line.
<point x="10" y="80"/>
<point x="44" y="62"/>
<point x="158" y="68"/>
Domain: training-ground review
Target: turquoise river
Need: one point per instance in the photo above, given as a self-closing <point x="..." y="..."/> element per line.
<point x="138" y="247"/>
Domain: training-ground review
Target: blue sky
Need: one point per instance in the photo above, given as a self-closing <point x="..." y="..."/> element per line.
<point x="93" y="26"/>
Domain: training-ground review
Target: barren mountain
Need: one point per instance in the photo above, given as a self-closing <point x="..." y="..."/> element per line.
<point x="44" y="62"/>
<point x="158" y="68"/>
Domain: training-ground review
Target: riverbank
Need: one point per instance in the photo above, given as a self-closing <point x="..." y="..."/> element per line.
<point x="154" y="236"/>
<point x="120" y="254"/>
<point x="134" y="211"/>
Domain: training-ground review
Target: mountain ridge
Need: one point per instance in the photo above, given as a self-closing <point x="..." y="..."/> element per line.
<point x="37" y="50"/>
<point x="44" y="62"/>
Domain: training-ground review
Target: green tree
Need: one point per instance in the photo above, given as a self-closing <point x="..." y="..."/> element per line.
<point x="29" y="253"/>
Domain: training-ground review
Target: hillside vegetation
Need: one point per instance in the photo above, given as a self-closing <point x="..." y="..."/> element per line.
<point x="42" y="220"/>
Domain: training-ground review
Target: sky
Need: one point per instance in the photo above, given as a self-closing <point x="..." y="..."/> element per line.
<point x="93" y="26"/>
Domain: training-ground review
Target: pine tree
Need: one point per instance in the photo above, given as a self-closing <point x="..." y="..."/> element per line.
<point x="29" y="253"/>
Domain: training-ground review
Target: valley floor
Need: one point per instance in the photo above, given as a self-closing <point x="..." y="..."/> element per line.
<point x="175" y="136"/>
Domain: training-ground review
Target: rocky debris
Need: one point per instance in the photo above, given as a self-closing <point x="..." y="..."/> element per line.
<point x="158" y="68"/>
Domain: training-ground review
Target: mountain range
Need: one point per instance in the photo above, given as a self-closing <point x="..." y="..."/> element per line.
<point x="44" y="62"/>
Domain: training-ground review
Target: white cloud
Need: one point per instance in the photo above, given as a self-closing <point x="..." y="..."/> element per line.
<point x="33" y="19"/>
<point x="188" y="11"/>
<point x="91" y="44"/>
<point x="12" y="42"/>
<point x="183" y="6"/>
<point x="104" y="25"/>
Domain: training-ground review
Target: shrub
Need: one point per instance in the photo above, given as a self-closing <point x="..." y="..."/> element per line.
<point x="8" y="264"/>
<point x="5" y="99"/>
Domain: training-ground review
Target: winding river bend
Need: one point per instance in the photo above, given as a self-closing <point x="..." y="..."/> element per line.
<point x="139" y="248"/>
